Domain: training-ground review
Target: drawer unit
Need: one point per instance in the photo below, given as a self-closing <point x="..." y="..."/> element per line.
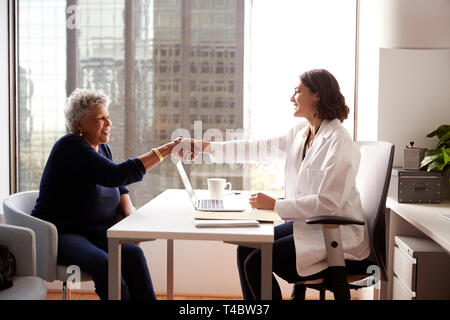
<point x="405" y="267"/>
<point x="401" y="292"/>
<point x="421" y="269"/>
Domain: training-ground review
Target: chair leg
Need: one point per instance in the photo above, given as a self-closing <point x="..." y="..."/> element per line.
<point x="338" y="283"/>
<point x="64" y="291"/>
<point x="298" y="292"/>
<point x="322" y="294"/>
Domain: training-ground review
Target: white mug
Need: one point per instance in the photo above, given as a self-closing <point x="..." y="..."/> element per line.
<point x="217" y="186"/>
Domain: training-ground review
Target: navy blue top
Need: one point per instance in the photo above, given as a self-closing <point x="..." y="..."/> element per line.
<point x="80" y="187"/>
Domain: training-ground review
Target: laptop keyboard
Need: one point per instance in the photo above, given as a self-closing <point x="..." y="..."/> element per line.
<point x="211" y="204"/>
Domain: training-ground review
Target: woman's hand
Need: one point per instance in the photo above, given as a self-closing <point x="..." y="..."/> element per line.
<point x="153" y="158"/>
<point x="166" y="149"/>
<point x="262" y="201"/>
<point x="189" y="149"/>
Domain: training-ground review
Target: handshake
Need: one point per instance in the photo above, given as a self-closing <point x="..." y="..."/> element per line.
<point x="186" y="149"/>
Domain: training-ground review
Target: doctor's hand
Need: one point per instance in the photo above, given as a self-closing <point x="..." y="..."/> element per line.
<point x="262" y="201"/>
<point x="189" y="149"/>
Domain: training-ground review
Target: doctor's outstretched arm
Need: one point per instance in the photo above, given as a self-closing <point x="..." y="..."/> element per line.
<point x="239" y="151"/>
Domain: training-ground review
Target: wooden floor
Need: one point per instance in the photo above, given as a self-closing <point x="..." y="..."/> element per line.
<point x="53" y="294"/>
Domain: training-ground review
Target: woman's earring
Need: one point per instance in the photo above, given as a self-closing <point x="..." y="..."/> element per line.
<point x="81" y="133"/>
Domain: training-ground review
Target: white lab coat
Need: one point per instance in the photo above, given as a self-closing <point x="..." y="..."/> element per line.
<point x="322" y="184"/>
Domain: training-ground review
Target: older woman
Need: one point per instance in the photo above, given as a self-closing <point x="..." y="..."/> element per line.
<point x="320" y="171"/>
<point x="83" y="190"/>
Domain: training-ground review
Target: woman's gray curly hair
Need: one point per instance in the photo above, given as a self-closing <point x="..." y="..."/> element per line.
<point x="79" y="104"/>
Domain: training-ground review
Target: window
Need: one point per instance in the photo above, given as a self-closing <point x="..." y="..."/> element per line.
<point x="205" y="119"/>
<point x="193" y="68"/>
<point x="193" y="86"/>
<point x="218" y="103"/>
<point x="205" y="103"/>
<point x="220" y="86"/>
<point x="176" y="67"/>
<point x="205" y="67"/>
<point x="180" y="76"/>
<point x="220" y="67"/>
<point x="193" y="103"/>
<point x="163" y="67"/>
<point x="162" y="103"/>
<point x="231" y="87"/>
<point x="298" y="48"/>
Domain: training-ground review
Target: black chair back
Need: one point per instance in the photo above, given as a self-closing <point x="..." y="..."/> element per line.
<point x="372" y="182"/>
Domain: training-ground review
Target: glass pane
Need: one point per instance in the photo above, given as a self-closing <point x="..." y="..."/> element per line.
<point x="176" y="64"/>
<point x="300" y="35"/>
<point x="42" y="66"/>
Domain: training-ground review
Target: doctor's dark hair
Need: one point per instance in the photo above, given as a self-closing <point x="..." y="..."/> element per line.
<point x="331" y="104"/>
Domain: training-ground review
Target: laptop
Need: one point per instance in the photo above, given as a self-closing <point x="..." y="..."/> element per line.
<point x="209" y="204"/>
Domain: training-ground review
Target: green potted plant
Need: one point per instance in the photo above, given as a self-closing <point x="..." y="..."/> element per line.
<point x="438" y="159"/>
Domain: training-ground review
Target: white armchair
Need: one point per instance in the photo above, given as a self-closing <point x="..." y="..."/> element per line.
<point x="17" y="210"/>
<point x="26" y="285"/>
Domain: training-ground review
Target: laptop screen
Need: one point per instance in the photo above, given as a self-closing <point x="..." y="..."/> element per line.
<point x="186" y="182"/>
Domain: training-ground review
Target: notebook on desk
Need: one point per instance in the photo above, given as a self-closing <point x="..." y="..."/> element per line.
<point x="225" y="223"/>
<point x="250" y="214"/>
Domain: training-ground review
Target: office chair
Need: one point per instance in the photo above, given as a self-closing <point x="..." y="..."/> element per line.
<point x="26" y="286"/>
<point x="17" y="210"/>
<point x="372" y="182"/>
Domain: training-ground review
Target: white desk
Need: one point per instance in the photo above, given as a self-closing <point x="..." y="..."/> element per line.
<point x="170" y="216"/>
<point x="421" y="220"/>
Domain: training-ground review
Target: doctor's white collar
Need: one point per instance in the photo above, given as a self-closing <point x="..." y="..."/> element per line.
<point x="327" y="128"/>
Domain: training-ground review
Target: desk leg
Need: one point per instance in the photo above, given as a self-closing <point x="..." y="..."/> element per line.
<point x="169" y="269"/>
<point x="266" y="271"/>
<point x="114" y="269"/>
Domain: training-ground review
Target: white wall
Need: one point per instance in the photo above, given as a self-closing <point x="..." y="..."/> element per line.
<point x="409" y="96"/>
<point x="414" y="77"/>
<point x="415" y="24"/>
<point x="414" y="96"/>
<point x="4" y="106"/>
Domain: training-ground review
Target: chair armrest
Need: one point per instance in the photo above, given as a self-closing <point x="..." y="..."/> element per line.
<point x="22" y="244"/>
<point x="46" y="239"/>
<point x="332" y="236"/>
<point x="333" y="220"/>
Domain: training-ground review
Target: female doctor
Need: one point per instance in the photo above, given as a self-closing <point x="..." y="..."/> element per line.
<point x="320" y="170"/>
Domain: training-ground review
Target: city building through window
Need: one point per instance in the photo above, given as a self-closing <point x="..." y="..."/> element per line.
<point x="227" y="65"/>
